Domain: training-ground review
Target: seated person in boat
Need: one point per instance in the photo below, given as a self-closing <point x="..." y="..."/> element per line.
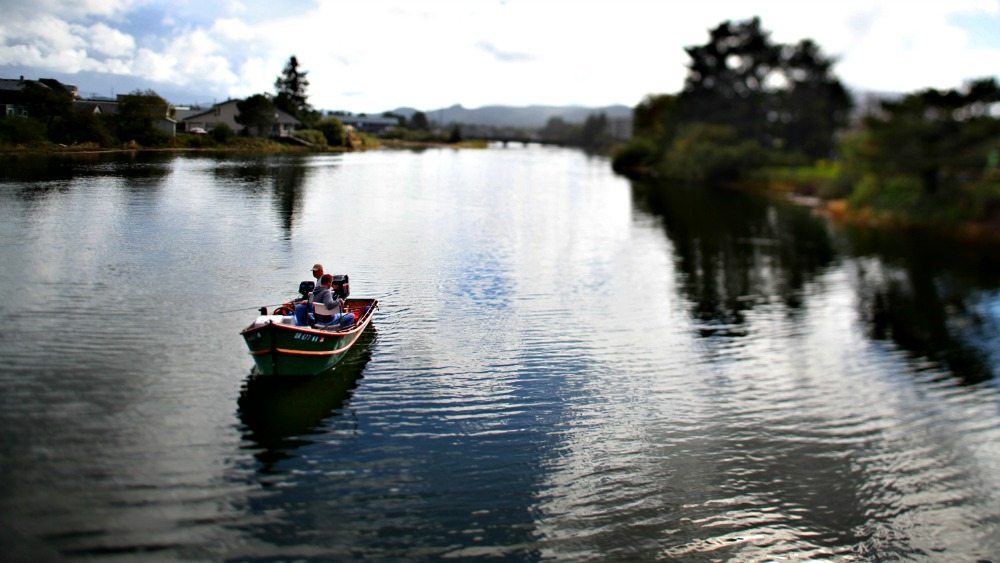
<point x="317" y="272"/>
<point x="327" y="307"/>
<point x="302" y="308"/>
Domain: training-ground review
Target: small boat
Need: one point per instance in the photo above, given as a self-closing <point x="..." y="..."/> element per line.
<point x="280" y="348"/>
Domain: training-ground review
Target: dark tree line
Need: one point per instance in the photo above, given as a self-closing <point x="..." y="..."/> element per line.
<point x="779" y="96"/>
<point x="53" y="118"/>
<point x="746" y="99"/>
<point x="750" y="107"/>
<point x="932" y="153"/>
<point x="593" y="135"/>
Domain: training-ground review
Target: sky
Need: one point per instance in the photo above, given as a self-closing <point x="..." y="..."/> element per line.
<point x="375" y="55"/>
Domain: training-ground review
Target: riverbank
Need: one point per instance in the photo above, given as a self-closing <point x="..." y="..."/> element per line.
<point x="401" y="144"/>
<point x="816" y="188"/>
<point x="91" y="148"/>
<point x="241" y="146"/>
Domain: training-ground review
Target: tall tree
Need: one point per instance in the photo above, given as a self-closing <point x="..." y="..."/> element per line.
<point x="291" y="95"/>
<point x="777" y="95"/>
<point x="256" y="114"/>
<point x="138" y="115"/>
<point x="419" y="122"/>
<point x="813" y="105"/>
<point x="728" y="76"/>
<point x="595" y="134"/>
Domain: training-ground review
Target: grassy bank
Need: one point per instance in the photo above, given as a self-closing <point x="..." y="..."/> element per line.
<point x="198" y="143"/>
<point x="825" y="187"/>
<point x="192" y="143"/>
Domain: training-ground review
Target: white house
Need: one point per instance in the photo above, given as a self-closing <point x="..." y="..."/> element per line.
<point x="226" y="112"/>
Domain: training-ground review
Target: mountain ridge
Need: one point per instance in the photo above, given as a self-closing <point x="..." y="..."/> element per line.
<point x="532" y="116"/>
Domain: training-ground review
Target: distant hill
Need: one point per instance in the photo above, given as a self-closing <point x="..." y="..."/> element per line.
<point x="511" y="116"/>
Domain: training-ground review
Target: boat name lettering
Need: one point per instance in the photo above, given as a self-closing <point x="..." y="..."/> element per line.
<point x="308" y="337"/>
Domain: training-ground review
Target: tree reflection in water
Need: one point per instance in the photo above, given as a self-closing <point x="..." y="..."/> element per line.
<point x="927" y="295"/>
<point x="736" y="251"/>
<point x="283" y="175"/>
<point x="933" y="297"/>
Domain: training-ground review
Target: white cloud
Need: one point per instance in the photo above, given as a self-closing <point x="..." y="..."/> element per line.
<point x="191" y="58"/>
<point x="233" y="29"/>
<point x="111" y="42"/>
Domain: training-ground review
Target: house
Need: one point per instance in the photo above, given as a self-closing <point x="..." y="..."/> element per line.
<point x="367" y="124"/>
<point x="54" y="84"/>
<point x="226" y="112"/>
<point x="284" y="124"/>
<point x="207" y="119"/>
<point x="14" y="100"/>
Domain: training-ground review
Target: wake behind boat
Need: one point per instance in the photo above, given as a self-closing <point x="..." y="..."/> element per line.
<point x="281" y="346"/>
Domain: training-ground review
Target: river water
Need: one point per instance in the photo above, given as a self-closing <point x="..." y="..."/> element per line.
<point x="565" y="365"/>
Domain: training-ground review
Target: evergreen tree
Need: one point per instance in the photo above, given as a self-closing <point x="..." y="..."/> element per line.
<point x="291" y="95"/>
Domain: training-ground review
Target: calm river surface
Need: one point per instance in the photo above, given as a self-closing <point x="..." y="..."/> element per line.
<point x="565" y="365"/>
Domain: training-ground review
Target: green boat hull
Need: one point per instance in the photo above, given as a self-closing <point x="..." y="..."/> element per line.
<point x="287" y="350"/>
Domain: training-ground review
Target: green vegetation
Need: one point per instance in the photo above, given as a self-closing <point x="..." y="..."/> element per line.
<point x="52" y="120"/>
<point x="417" y="130"/>
<point x="312" y="136"/>
<point x="928" y="155"/>
<point x="333" y="130"/>
<point x="746" y="98"/>
<point x="757" y="113"/>
<point x="222" y="133"/>
<point x="419" y="122"/>
<point x="256" y="114"/>
<point x="593" y="135"/>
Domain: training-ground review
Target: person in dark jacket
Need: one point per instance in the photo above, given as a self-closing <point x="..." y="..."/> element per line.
<point x="327" y="307"/>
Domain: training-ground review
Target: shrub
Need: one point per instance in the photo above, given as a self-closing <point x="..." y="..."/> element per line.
<point x="333" y="130"/>
<point x="638" y="155"/>
<point x="898" y="194"/>
<point x="222" y="133"/>
<point x="194" y="141"/>
<point x="21" y="131"/>
<point x="704" y="153"/>
<point x="312" y="136"/>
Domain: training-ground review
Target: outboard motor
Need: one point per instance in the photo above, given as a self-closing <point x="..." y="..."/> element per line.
<point x="306" y="287"/>
<point x="341" y="286"/>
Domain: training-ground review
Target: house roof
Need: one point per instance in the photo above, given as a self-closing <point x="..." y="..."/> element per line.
<point x="198" y="112"/>
<point x="11" y="84"/>
<point x="286" y="118"/>
<point x="280" y="116"/>
<point x="18" y="84"/>
<point x="55" y="84"/>
<point x="183" y="114"/>
<point x="101" y="106"/>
